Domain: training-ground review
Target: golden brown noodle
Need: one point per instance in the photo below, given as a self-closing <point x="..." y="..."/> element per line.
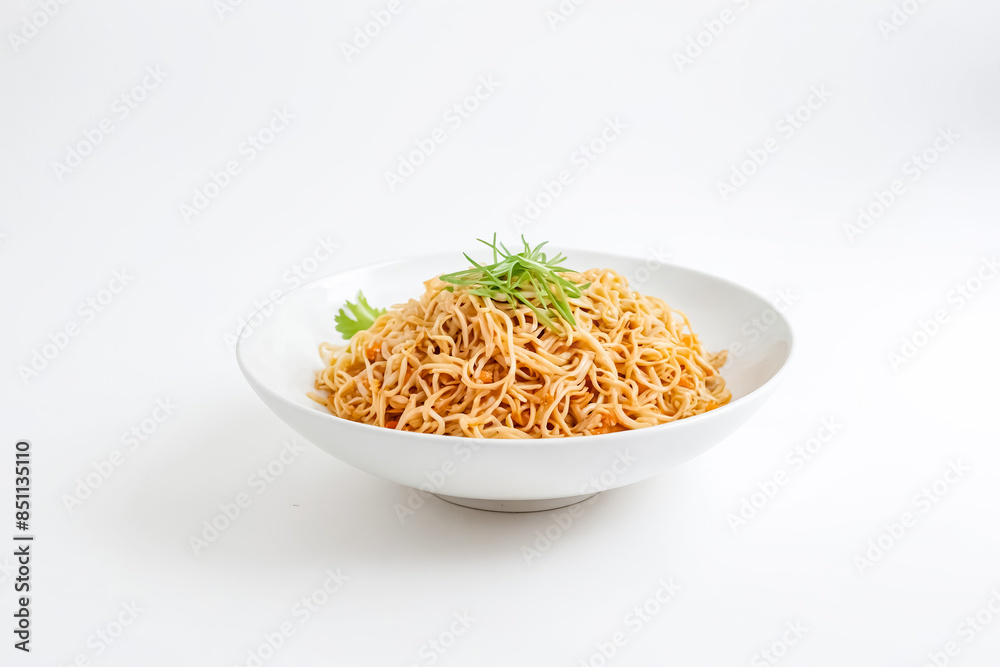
<point x="454" y="363"/>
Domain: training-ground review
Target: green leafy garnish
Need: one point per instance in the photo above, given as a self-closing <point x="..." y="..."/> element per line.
<point x="363" y="316"/>
<point x="528" y="277"/>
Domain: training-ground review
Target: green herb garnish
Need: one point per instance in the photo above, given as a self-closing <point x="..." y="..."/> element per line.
<point x="528" y="277"/>
<point x="363" y="317"/>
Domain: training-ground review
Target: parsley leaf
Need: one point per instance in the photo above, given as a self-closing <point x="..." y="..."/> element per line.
<point x="353" y="318"/>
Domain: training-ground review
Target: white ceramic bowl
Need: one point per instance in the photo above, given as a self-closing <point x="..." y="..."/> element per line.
<point x="278" y="354"/>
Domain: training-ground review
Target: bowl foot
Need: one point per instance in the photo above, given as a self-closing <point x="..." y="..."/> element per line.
<point x="516" y="505"/>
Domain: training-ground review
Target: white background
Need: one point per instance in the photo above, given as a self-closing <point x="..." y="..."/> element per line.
<point x="654" y="189"/>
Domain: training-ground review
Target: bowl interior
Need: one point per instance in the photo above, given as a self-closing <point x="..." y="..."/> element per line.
<point x="279" y="346"/>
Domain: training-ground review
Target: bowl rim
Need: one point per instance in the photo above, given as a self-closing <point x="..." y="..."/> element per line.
<point x="428" y="438"/>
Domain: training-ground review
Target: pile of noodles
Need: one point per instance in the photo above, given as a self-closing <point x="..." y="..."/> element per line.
<point x="455" y="363"/>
